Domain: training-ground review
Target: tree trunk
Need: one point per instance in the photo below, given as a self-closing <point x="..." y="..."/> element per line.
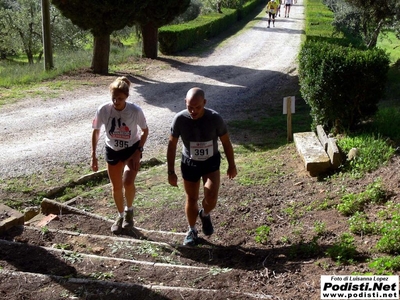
<point x="374" y="35"/>
<point x="101" y="54"/>
<point x="149" y="40"/>
<point x="29" y="55"/>
<point x="46" y="31"/>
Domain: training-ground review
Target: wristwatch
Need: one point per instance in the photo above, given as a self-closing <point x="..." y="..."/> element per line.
<point x="140" y="149"/>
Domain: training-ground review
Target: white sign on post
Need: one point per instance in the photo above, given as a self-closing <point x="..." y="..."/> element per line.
<point x="285" y="104"/>
<point x="288" y="109"/>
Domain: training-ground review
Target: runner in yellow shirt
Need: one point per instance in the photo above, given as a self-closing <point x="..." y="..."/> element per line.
<point x="272" y="8"/>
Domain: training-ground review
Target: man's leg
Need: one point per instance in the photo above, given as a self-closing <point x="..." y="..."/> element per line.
<point x="191" y="210"/>
<point x="191" y="205"/>
<point x="211" y="184"/>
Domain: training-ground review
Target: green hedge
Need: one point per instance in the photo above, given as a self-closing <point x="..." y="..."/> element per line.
<point x="175" y="38"/>
<point x="342" y="85"/>
<point x="248" y="8"/>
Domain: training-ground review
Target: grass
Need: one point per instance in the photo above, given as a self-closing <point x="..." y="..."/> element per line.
<point x="373" y="151"/>
<point x="386" y="265"/>
<point x="267" y="162"/>
<point x="354" y="203"/>
<point x="343" y="250"/>
<point x="19" y="79"/>
<point x="158" y="192"/>
<point x="318" y="19"/>
<point x="391" y="44"/>
<point x="261" y="234"/>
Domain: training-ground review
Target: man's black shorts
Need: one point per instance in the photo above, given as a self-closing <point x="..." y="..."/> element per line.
<point x="114" y="157"/>
<point x="193" y="170"/>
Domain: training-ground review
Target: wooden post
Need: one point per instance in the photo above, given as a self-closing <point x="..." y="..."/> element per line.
<point x="289" y="118"/>
<point x="47" y="48"/>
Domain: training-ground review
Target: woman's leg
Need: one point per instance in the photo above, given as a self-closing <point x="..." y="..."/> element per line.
<point x="129" y="182"/>
<point x="115" y="175"/>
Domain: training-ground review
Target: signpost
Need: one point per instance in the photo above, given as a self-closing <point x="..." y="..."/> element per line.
<point x="289" y="109"/>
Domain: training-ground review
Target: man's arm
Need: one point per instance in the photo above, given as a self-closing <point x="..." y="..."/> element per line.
<point x="230" y="157"/>
<point x="171" y="155"/>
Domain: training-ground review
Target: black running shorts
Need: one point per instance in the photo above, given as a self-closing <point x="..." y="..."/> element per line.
<point x="193" y="170"/>
<point x="114" y="157"/>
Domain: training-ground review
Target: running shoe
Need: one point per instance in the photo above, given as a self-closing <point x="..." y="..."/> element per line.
<point x="117" y="226"/>
<point x="207" y="227"/>
<point x="191" y="238"/>
<point x="128" y="220"/>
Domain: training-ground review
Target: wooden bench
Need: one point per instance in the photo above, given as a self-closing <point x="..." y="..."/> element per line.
<point x="309" y="147"/>
<point x="318" y="151"/>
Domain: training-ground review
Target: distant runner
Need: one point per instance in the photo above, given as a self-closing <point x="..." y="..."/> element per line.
<point x="272" y="8"/>
<point x="288" y="4"/>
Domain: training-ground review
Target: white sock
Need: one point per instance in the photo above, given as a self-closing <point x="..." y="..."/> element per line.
<point x="192" y="228"/>
<point x="128" y="208"/>
<point x="203" y="214"/>
<point x="121" y="214"/>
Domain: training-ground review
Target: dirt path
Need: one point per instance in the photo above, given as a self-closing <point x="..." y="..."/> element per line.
<point x="38" y="134"/>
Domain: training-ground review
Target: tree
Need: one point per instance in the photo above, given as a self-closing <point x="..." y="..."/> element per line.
<point x="65" y="35"/>
<point x="101" y="18"/>
<point x="156" y="14"/>
<point x="21" y="27"/>
<point x="365" y="18"/>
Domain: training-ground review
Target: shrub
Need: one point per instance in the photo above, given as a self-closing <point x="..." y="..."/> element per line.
<point x="175" y="38"/>
<point x="342" y="85"/>
<point x="179" y="37"/>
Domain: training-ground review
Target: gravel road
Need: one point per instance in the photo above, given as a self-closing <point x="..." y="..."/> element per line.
<point x="38" y="134"/>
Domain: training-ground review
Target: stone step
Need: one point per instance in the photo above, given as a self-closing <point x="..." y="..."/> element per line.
<point x="50" y="285"/>
<point x="139" y="250"/>
<point x="9" y="218"/>
<point x="161" y="276"/>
